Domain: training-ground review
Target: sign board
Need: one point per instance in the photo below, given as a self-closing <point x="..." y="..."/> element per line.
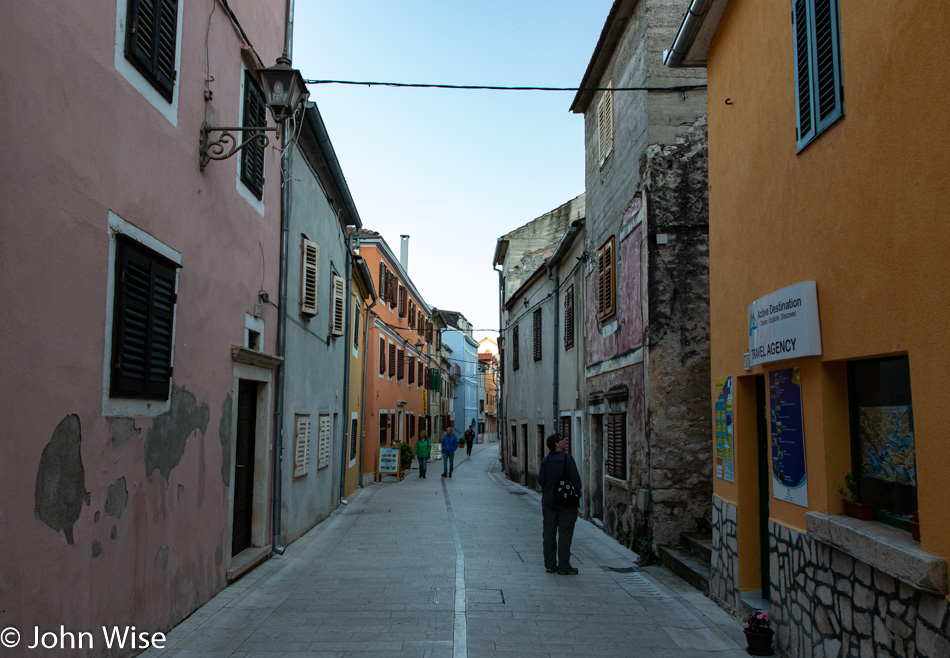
<point x="388" y="460"/>
<point x="725" y="457"/>
<point x="425" y="402"/>
<point x="784" y="324"/>
<point x="789" y="475"/>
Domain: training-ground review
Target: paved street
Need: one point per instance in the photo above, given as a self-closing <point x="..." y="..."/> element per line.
<point x="452" y="567"/>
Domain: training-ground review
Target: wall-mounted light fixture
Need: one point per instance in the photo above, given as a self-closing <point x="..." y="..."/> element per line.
<point x="285" y="92"/>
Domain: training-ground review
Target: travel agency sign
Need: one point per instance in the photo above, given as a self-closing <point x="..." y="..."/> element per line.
<point x="784" y="324"/>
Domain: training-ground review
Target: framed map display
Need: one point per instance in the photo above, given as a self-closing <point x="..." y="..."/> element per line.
<point x="887" y="444"/>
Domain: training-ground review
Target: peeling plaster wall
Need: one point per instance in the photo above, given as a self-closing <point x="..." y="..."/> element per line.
<point x="90" y="495"/>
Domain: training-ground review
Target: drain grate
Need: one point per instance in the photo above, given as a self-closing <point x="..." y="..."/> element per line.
<point x="518" y="493"/>
<point x="622" y="569"/>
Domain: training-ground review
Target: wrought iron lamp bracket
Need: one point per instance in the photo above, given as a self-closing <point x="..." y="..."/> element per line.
<point x="226" y="144"/>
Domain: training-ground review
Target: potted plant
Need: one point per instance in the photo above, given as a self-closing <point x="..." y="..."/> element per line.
<point x="758" y="633"/>
<point x="914" y="523"/>
<point x="852" y="506"/>
<point x="406" y="454"/>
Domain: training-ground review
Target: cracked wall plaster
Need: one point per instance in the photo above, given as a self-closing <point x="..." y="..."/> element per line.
<point x="61" y="479"/>
<point x="117" y="498"/>
<point x="224" y="434"/>
<point x="166" y="439"/>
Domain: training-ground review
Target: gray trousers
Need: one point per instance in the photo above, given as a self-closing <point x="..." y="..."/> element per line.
<point x="557" y="533"/>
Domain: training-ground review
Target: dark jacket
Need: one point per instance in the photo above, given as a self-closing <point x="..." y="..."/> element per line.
<point x="552" y="471"/>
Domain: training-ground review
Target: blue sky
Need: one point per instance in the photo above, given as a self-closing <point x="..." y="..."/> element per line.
<point x="454" y="169"/>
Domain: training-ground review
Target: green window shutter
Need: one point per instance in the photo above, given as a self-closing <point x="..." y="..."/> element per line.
<point x="252" y="156"/>
<point x="818" y="85"/>
<point x="151" y="39"/>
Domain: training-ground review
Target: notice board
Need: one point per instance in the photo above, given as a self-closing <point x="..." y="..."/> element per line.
<point x="388" y="461"/>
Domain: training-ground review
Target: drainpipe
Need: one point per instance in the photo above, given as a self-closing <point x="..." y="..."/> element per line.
<point x="695" y="15"/>
<point x="346" y="358"/>
<point x="282" y="295"/>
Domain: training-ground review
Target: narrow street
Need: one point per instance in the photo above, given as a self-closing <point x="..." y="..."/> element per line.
<point x="452" y="567"/>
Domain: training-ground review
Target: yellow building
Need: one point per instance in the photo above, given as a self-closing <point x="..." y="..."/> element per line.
<point x="362" y="298"/>
<point x="829" y="296"/>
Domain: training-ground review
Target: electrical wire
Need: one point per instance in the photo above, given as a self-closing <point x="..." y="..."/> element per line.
<point x="680" y="88"/>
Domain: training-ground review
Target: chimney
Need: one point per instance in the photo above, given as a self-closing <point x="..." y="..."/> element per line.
<point x="404" y="253"/>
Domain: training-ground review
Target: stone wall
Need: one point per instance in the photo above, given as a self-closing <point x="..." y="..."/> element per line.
<point x="827" y="603"/>
<point x="724" y="567"/>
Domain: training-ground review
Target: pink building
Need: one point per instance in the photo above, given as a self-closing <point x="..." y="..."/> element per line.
<point x="138" y="329"/>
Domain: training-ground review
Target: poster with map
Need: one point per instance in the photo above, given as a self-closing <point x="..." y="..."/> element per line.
<point x="725" y="459"/>
<point x="887" y="444"/>
<point x="789" y="475"/>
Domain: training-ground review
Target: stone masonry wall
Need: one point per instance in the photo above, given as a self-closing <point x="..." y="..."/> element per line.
<point x="724" y="567"/>
<point x="826" y="603"/>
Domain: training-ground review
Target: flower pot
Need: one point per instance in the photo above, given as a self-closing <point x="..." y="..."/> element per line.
<point x="859" y="510"/>
<point x="759" y="641"/>
<point x="915" y="530"/>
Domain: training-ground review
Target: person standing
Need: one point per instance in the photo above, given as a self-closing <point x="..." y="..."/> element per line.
<point x="450" y="444"/>
<point x="469" y="440"/>
<point x="558" y="512"/>
<point x="423" y="449"/>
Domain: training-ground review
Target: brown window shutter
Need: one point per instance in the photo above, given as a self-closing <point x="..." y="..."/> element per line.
<point x="400" y="364"/>
<point x="382" y="282"/>
<point x="422" y="373"/>
<point x="429" y="332"/>
<point x="617" y="446"/>
<point x="402" y="302"/>
<point x="382" y="356"/>
<point x="565" y="430"/>
<point x="411" y="370"/>
<point x="606" y="280"/>
<point x="392" y="359"/>
<point x="412" y="315"/>
<point x="569" y="318"/>
<point x="537" y="335"/>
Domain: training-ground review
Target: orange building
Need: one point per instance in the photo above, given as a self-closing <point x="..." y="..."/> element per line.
<point x="829" y="295"/>
<point x="401" y="332"/>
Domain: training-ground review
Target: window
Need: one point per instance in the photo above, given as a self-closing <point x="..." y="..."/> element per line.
<point x="383" y="281"/>
<point x="422" y="373"/>
<point x="411" y="370"/>
<point x="564" y="429"/>
<point x="429" y="332"/>
<point x="354" y="427"/>
<point x="382" y="356"/>
<point x="301" y="444"/>
<point x="515" y="352"/>
<point x="882" y="437"/>
<point x="569" y="318"/>
<point x="309" y="260"/>
<point x="337" y="317"/>
<point x="606" y="281"/>
<point x="150" y="41"/>
<point x="403" y="302"/>
<point x="400" y="364"/>
<point x="383" y="426"/>
<point x="392" y="359"/>
<point x="481" y="406"/>
<point x="818" y="86"/>
<point x="420" y="324"/>
<point x="605" y="123"/>
<point x="537" y="335"/>
<point x="357" y="312"/>
<point x="323" y="444"/>
<point x="514" y="440"/>
<point x="252" y="155"/>
<point x="144" y="320"/>
<point x="617" y="446"/>
<point x="391" y="293"/>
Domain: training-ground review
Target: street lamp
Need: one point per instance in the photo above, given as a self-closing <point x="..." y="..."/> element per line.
<point x="285" y="92"/>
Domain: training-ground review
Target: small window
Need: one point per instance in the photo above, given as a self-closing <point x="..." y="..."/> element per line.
<point x="144" y="319"/>
<point x="515" y="352"/>
<point x="617" y="446"/>
<point x="150" y="41"/>
<point x="301" y="445"/>
<point x="252" y="155"/>
<point x="569" y="318"/>
<point x="537" y="334"/>
<point x="606" y="281"/>
<point x="605" y="123"/>
<point x="323" y="444"/>
<point x="884" y="458"/>
<point x="564" y="429"/>
<point x="818" y="86"/>
<point x="309" y="273"/>
<point x="338" y="317"/>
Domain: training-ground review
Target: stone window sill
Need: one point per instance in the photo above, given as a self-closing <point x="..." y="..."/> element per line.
<point x="885" y="548"/>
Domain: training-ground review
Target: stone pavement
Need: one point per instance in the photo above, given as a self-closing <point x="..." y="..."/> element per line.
<point x="452" y="567"/>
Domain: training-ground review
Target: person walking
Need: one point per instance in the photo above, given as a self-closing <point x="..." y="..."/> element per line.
<point x="561" y="491"/>
<point x="450" y="444"/>
<point x="469" y="440"/>
<point x="423" y="450"/>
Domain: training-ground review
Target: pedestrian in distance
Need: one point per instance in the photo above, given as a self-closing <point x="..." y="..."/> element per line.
<point x="469" y="440"/>
<point x="450" y="444"/>
<point x="423" y="449"/>
<point x="561" y="492"/>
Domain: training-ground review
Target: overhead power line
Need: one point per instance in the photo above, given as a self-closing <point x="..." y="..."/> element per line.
<point x="679" y="88"/>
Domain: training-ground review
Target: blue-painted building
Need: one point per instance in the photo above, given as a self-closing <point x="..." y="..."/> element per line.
<point x="458" y="337"/>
